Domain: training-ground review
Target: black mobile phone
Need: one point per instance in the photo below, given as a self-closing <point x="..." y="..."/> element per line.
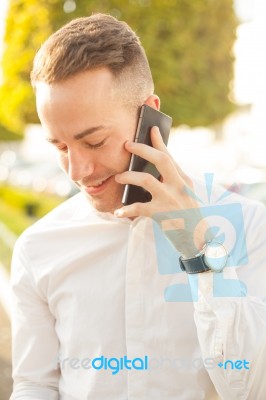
<point x="148" y="118"/>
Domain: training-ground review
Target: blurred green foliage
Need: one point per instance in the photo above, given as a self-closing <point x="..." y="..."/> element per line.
<point x="6" y="134"/>
<point x="5" y="254"/>
<point x="15" y="221"/>
<point x="15" y="205"/>
<point x="27" y="26"/>
<point x="188" y="44"/>
<point x="19" y="208"/>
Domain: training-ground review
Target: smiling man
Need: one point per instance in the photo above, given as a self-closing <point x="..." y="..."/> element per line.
<point x="89" y="108"/>
<point x="97" y="286"/>
<point x="89" y="124"/>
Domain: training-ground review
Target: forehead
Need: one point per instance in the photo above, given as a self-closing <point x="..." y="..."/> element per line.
<point x="79" y="103"/>
<point x="90" y="95"/>
<point x="94" y="85"/>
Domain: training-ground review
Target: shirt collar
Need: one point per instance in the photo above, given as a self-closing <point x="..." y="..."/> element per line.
<point x="84" y="209"/>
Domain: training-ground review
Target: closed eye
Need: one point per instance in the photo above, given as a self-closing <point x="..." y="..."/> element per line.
<point x="64" y="149"/>
<point x="97" y="145"/>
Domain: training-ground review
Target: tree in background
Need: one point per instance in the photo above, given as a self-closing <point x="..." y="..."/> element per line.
<point x="27" y="26"/>
<point x="7" y="135"/>
<point x="188" y="44"/>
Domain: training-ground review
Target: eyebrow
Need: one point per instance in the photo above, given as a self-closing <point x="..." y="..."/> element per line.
<point x="80" y="135"/>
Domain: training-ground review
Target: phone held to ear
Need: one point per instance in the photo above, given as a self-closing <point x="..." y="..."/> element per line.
<point x="148" y="118"/>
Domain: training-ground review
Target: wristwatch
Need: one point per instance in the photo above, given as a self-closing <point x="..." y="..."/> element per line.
<point x="212" y="257"/>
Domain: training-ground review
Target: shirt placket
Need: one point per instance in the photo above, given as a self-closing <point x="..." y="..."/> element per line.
<point x="134" y="308"/>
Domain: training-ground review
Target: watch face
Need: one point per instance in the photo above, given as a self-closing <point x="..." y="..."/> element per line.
<point x="215" y="256"/>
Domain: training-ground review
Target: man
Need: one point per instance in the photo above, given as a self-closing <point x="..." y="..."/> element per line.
<point x="102" y="309"/>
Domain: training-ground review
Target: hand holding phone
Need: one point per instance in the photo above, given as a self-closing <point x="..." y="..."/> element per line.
<point x="148" y="118"/>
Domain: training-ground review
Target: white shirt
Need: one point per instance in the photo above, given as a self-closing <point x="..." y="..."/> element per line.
<point x="88" y="285"/>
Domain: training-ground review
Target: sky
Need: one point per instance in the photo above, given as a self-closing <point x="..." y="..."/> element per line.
<point x="244" y="9"/>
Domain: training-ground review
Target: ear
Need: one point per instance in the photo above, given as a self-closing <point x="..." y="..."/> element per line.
<point x="153" y="101"/>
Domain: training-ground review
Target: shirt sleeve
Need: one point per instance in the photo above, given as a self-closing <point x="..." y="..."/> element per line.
<point x="34" y="341"/>
<point x="232" y="327"/>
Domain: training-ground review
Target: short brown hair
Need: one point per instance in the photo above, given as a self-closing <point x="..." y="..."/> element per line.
<point x="93" y="42"/>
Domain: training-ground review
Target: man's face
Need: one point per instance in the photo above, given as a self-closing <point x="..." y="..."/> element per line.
<point x="85" y="120"/>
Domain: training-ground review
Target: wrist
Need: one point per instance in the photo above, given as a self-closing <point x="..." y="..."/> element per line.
<point x="213" y="257"/>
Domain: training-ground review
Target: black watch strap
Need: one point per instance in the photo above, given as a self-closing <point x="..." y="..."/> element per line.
<point x="193" y="265"/>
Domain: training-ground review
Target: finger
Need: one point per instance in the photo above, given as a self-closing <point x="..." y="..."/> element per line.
<point x="133" y="210"/>
<point x="157" y="140"/>
<point x="163" y="161"/>
<point x="142" y="179"/>
<point x="158" y="143"/>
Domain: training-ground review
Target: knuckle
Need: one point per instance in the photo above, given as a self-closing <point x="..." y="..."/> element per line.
<point x="146" y="178"/>
<point x="137" y="207"/>
<point x="162" y="157"/>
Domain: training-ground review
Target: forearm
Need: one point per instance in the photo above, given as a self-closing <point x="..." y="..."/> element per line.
<point x="29" y="391"/>
<point x="232" y="329"/>
<point x="34" y="341"/>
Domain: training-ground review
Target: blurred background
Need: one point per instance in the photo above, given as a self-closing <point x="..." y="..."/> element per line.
<point x="208" y="62"/>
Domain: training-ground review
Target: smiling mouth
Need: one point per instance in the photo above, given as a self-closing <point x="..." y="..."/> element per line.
<point x="99" y="183"/>
<point x="98" y="187"/>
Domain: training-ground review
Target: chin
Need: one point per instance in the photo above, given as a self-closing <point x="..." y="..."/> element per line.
<point x="105" y="206"/>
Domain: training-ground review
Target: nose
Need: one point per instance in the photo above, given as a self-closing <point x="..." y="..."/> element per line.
<point x="80" y="165"/>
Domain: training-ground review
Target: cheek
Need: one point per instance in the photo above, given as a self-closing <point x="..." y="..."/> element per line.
<point x="63" y="162"/>
<point x="121" y="155"/>
<point x="125" y="157"/>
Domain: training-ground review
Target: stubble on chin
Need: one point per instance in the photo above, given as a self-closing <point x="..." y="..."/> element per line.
<point x="109" y="203"/>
